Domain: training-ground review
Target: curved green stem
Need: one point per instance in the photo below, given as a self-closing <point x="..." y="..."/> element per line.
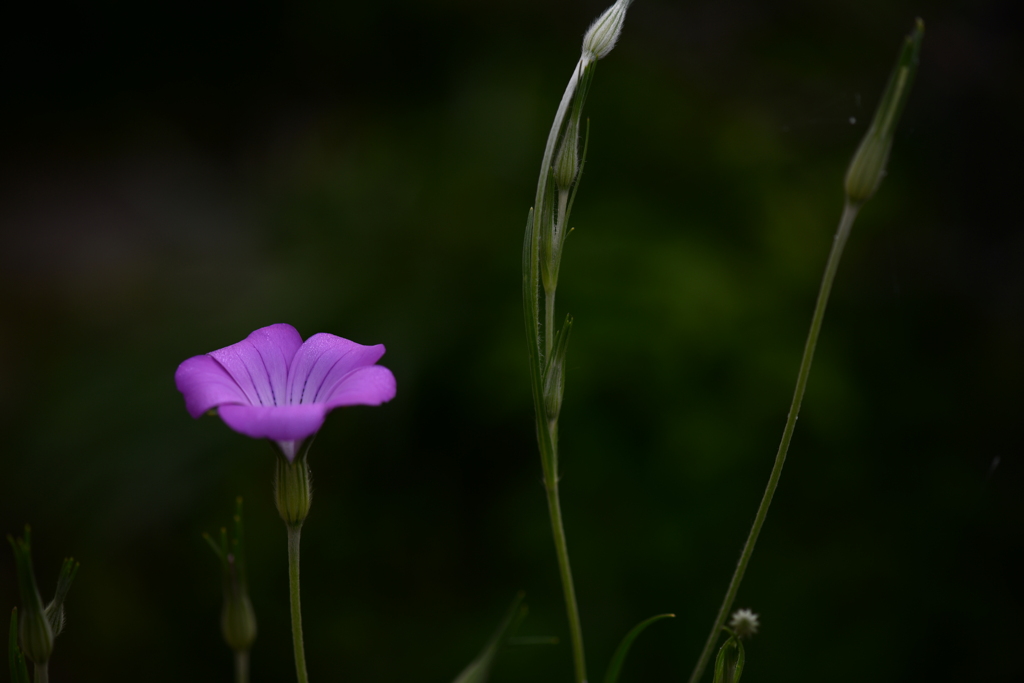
<point x="562" y="551"/>
<point x="845" y="223"/>
<point x="294" y="532"/>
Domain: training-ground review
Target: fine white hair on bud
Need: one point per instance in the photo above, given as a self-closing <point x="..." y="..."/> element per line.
<point x="744" y="623"/>
<point x="600" y="38"/>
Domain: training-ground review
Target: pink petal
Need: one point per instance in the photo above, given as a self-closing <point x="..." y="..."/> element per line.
<point x="321" y="362"/>
<point x="369" y="386"/>
<point x="206" y="384"/>
<point x="280" y="423"/>
<point x="259" y="363"/>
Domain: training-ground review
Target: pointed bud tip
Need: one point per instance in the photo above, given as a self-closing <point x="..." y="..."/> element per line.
<point x="744" y="623"/>
<point x="868" y="165"/>
<point x="602" y="35"/>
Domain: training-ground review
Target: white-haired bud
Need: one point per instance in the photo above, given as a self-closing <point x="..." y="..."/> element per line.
<point x="567" y="161"/>
<point x="744" y="623"/>
<point x="600" y="38"/>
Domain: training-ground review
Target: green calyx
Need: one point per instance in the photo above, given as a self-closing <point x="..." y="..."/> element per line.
<point x="293" y="490"/>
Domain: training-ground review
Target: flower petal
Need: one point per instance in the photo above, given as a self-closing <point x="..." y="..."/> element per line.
<point x="280" y="423"/>
<point x="323" y="360"/>
<point x="206" y="384"/>
<point x="259" y="363"/>
<point x="368" y="386"/>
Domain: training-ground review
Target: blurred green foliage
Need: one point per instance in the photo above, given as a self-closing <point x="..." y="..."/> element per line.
<point x="173" y="179"/>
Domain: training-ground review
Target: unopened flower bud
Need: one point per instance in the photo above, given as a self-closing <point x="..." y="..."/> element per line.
<point x="554" y="376"/>
<point x="731" y="658"/>
<point x="237" y="618"/>
<point x="36" y="636"/>
<point x="567" y="161"/>
<point x="34" y="629"/>
<point x="867" y="168"/>
<point x="293" y="490"/>
<point x="602" y="35"/>
<point x="744" y="623"/>
<point x="55" y="610"/>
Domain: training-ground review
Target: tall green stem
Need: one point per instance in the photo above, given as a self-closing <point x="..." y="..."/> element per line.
<point x="43" y="673"/>
<point x="562" y="551"/>
<point x="541" y="344"/>
<point x="845" y="223"/>
<point x="294" y="532"/>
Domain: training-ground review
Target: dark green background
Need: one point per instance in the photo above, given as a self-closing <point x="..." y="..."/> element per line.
<point x="172" y="179"/>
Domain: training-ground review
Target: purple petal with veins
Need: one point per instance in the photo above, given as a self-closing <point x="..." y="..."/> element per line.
<point x="273" y="385"/>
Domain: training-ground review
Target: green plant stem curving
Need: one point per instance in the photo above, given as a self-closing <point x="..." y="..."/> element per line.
<point x="294" y="533"/>
<point x="562" y="551"/>
<point x="541" y="344"/>
<point x="845" y="223"/>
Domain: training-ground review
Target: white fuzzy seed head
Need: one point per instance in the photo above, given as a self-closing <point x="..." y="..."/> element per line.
<point x="744" y="623"/>
<point x="602" y="35"/>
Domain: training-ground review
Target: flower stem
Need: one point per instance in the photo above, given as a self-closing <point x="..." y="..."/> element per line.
<point x="294" y="532"/>
<point x="568" y="588"/>
<point x="845" y="223"/>
<point x="42" y="673"/>
<point x="241" y="666"/>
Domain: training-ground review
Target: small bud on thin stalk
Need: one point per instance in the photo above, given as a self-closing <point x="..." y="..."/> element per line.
<point x="542" y="251"/>
<point x="744" y="623"/>
<point x="605" y="31"/>
<point x="38" y="626"/>
<point x="867" y="168"/>
<point x="862" y="179"/>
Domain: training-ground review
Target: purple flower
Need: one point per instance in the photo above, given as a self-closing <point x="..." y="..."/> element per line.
<point x="272" y="385"/>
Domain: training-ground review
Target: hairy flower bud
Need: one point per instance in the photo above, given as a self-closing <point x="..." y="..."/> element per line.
<point x="567" y="161"/>
<point x="55" y="610"/>
<point x="602" y="35"/>
<point x="34" y="628"/>
<point x="744" y="623"/>
<point x="293" y="490"/>
<point x="867" y="168"/>
<point x="238" y="620"/>
<point x="554" y="376"/>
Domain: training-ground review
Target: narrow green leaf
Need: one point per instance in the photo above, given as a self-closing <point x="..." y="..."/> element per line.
<point x="619" y="658"/>
<point x="479" y="669"/>
<point x="19" y="670"/>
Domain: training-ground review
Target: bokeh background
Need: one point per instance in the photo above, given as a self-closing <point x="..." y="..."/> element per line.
<point x="174" y="178"/>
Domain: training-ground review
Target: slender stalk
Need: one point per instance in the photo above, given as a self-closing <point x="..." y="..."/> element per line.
<point x="43" y="673"/>
<point x="562" y="551"/>
<point x="845" y="223"/>
<point x="541" y="344"/>
<point x="241" y="666"/>
<point x="294" y="532"/>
